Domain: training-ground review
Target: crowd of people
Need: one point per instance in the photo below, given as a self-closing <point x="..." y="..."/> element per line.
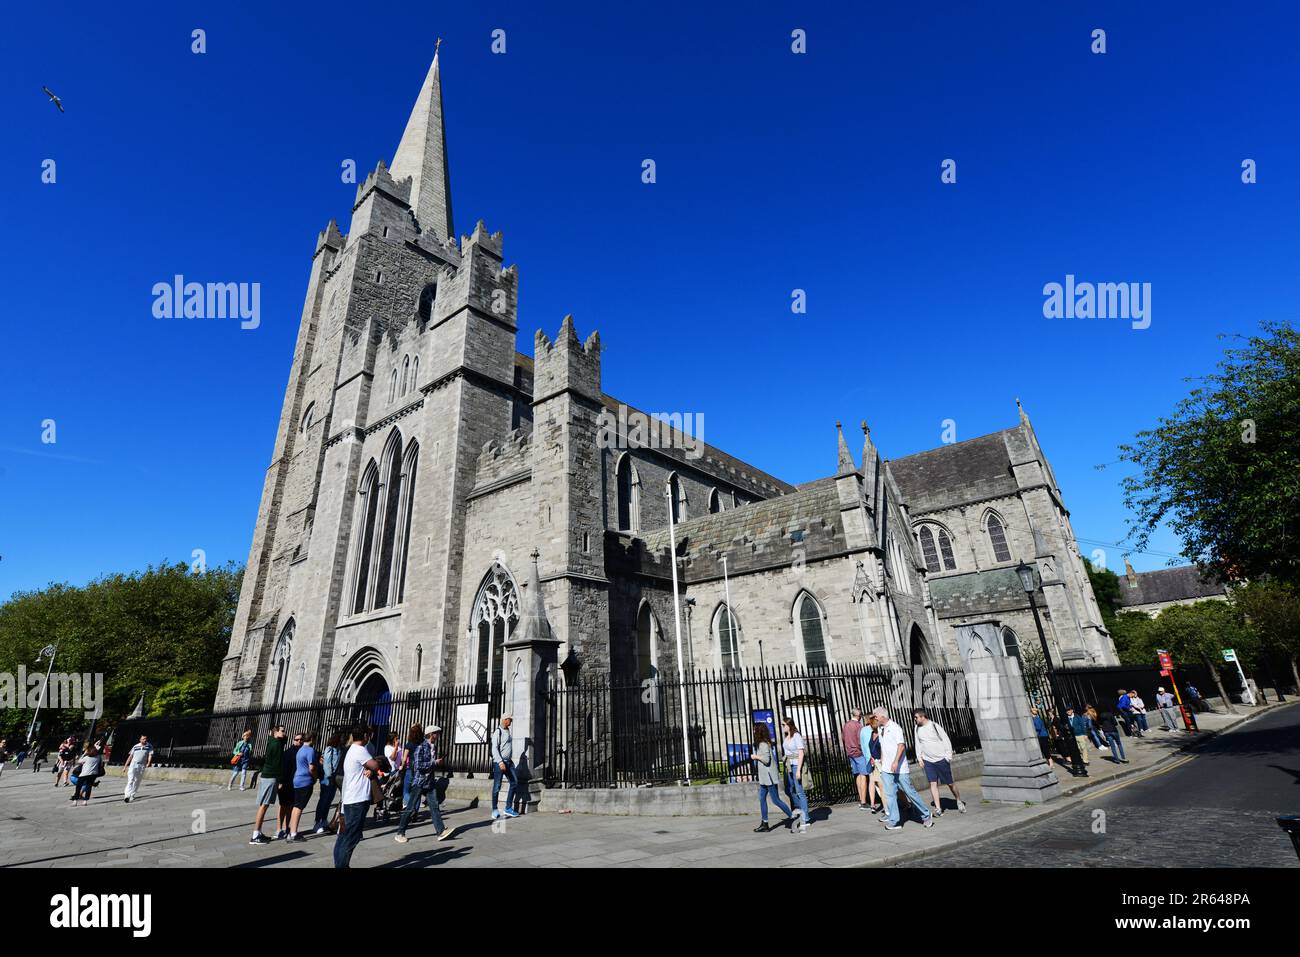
<point x="877" y="751"/>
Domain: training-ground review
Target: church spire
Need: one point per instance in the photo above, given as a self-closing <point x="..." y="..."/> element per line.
<point x="422" y="157"/>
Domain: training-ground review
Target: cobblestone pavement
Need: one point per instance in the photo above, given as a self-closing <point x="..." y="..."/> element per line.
<point x="1216" y="810"/>
<point x="176" y="824"/>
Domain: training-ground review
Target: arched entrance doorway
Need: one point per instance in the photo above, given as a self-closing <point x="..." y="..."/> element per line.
<point x="919" y="649"/>
<point x="364" y="685"/>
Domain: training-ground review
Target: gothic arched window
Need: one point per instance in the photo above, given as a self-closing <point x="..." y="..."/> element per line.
<point x="496" y="612"/>
<point x="390" y="500"/>
<point x="367" y="508"/>
<point x="392" y="385"/>
<point x="715" y="502"/>
<point x="998" y="539"/>
<point x="403" y="547"/>
<point x="938" y="557"/>
<point x="281" y="659"/>
<point x="1010" y="643"/>
<point x="406" y="375"/>
<point x="415" y="372"/>
<point x="727" y="628"/>
<point x="424" y="309"/>
<point x="308" y="417"/>
<point x="928" y="551"/>
<point x="811" y="634"/>
<point x="629" y="496"/>
<point x="677" y="496"/>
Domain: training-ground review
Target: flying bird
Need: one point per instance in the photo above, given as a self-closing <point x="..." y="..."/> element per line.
<point x="53" y="99"/>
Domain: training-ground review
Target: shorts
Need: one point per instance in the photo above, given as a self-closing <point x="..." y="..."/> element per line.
<point x="938" y="771"/>
<point x="861" y="764"/>
<point x="266" y="791"/>
<point x="875" y="776"/>
<point x="301" y="796"/>
<point x="285" y="791"/>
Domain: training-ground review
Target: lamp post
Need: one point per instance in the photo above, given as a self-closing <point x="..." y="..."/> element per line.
<point x="49" y="651"/>
<point x="1029" y="583"/>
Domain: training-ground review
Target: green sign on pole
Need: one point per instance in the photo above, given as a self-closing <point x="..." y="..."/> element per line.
<point x="1229" y="654"/>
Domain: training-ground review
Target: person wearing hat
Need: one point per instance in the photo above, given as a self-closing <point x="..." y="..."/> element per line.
<point x="1165" y="702"/>
<point x="424" y="763"/>
<point x="503" y="765"/>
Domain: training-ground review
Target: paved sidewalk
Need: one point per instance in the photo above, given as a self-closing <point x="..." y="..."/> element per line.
<point x="39" y="827"/>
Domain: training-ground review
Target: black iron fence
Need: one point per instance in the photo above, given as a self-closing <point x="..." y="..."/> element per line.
<point x="467" y="715"/>
<point x="606" y="732"/>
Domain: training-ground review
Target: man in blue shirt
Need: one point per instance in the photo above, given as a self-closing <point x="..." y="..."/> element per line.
<point x="304" y="782"/>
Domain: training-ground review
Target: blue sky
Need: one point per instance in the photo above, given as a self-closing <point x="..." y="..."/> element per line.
<point x="776" y="171"/>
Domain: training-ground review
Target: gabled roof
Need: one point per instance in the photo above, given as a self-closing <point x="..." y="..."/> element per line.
<point x="1183" y="583"/>
<point x="973" y="469"/>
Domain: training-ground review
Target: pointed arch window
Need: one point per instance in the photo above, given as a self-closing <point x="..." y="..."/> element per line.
<point x="727" y="627"/>
<point x="928" y="551"/>
<point x="493" y="620"/>
<point x="715" y="502"/>
<point x="629" y="496"/>
<point x="998" y="539"/>
<point x="406" y="374"/>
<point x="385" y="504"/>
<point x="368" y="508"/>
<point x="1010" y="643"/>
<point x="945" y="550"/>
<point x="415" y="372"/>
<point x="677" y="495"/>
<point x="308" y="417"/>
<point x="281" y="659"/>
<point x="392" y="385"/>
<point x="811" y="634"/>
<point x="424" y="309"/>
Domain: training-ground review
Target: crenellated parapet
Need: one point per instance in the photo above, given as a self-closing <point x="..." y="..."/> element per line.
<point x="381" y="181"/>
<point x="566" y="364"/>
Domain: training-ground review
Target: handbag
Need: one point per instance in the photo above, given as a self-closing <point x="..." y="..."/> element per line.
<point x="234" y="760"/>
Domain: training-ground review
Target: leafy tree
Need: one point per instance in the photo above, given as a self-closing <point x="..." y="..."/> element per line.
<point x="1273" y="612"/>
<point x="1105" y="585"/>
<point x="1135" y="637"/>
<point x="189" y="694"/>
<point x="1224" y="469"/>
<point x="139" y="631"/>
<point x="1200" y="632"/>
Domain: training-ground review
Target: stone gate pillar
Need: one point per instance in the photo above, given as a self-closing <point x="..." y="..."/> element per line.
<point x="531" y="656"/>
<point x="1014" y="768"/>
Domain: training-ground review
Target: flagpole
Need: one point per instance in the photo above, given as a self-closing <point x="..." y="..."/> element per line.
<point x="677" y="628"/>
<point x="731" y="618"/>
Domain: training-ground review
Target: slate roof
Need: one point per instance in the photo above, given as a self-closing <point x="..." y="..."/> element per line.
<point x="974" y="469"/>
<point x="1168" y="584"/>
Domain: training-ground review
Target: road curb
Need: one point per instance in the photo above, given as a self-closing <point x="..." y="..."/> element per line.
<point x="1073" y="797"/>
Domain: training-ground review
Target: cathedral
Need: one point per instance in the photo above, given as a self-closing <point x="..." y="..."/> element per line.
<point x="425" y="472"/>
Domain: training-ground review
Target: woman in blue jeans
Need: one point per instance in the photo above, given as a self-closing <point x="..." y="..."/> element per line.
<point x="769" y="776"/>
<point x="795" y="755"/>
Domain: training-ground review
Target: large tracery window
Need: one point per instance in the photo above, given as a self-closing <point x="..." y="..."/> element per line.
<point x="386" y="502"/>
<point x="496" y="612"/>
<point x="281" y="659"/>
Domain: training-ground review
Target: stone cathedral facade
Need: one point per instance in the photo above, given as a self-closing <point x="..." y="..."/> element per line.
<point x="422" y="465"/>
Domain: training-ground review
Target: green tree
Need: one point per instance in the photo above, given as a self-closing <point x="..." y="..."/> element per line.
<point x="189" y="694"/>
<point x="1224" y="469"/>
<point x="1273" y="611"/>
<point x="139" y="631"/>
<point x="1135" y="637"/>
<point x="1200" y="632"/>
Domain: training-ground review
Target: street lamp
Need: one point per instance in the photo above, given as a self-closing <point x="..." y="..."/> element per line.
<point x="1028" y="581"/>
<point x="49" y="651"/>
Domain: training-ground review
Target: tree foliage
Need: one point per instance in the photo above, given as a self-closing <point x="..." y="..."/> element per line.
<point x="1223" y="470"/>
<point x="141" y="631"/>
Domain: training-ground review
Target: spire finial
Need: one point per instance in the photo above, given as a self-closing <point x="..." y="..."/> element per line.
<point x="436" y="43"/>
<point x="866" y="429"/>
<point x="846" y="463"/>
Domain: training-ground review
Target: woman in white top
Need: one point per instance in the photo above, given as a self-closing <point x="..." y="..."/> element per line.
<point x="795" y="755"/>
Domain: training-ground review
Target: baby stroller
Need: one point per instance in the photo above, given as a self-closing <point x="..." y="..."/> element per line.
<point x="390" y="797"/>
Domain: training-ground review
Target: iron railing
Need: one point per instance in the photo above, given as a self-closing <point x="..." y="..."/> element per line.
<point x="207" y="740"/>
<point x="607" y="732"/>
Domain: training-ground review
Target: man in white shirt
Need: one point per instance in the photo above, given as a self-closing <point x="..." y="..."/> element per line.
<point x="893" y="757"/>
<point x="141" y="757"/>
<point x="934" y="749"/>
<point x="1165" y="702"/>
<point x="358" y="768"/>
